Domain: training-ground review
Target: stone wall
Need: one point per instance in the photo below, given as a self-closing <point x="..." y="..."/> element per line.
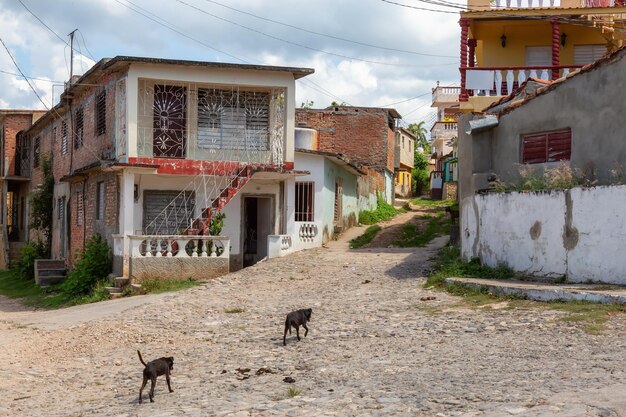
<point x="199" y="269"/>
<point x="577" y="233"/>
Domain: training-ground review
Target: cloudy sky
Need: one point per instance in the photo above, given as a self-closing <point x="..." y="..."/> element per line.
<point x="364" y="52"/>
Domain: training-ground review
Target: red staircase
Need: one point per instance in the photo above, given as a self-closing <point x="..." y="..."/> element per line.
<point x="200" y="226"/>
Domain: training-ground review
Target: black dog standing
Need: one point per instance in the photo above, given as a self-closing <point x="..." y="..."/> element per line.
<point x="297" y="319"/>
<point x="154" y="369"/>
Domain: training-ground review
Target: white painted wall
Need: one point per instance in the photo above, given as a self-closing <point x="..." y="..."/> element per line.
<point x="503" y="229"/>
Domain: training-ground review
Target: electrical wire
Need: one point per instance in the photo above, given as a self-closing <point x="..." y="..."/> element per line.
<point x="23" y="75"/>
<point x="309" y="47"/>
<point x="326" y="35"/>
<point x="85" y="45"/>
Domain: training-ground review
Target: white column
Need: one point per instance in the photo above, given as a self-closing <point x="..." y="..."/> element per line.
<point x="132" y="108"/>
<point x="127" y="200"/>
<point x="290" y="207"/>
<point x="290" y="121"/>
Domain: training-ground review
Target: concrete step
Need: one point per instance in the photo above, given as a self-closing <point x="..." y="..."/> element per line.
<point x="121" y="282"/>
<point x="50" y="280"/>
<point x="137" y="289"/>
<point x="48" y="272"/>
<point x="115" y="295"/>
<point x="113" y="290"/>
<point x="51" y="264"/>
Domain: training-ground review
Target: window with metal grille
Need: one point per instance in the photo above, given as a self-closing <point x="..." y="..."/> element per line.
<point x="79" y="208"/>
<point x="230" y="119"/>
<point x="36" y="152"/>
<point x="78" y="129"/>
<point x="63" y="137"/>
<point x="547" y="147"/>
<point x="60" y="208"/>
<point x="101" y="104"/>
<point x="304" y="201"/>
<point x="100" y="201"/>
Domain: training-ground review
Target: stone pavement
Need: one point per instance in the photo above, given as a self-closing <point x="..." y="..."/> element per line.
<point x="378" y="345"/>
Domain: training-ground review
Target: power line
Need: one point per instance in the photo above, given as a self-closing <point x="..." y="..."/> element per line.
<point x="173" y="28"/>
<point x="23" y="75"/>
<point x="85" y="45"/>
<point x="419" y="8"/>
<point x="326" y="35"/>
<point x="306" y="46"/>
<point x="31" y="78"/>
<point x="404" y="101"/>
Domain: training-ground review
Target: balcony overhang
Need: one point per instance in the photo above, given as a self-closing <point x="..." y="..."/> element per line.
<point x="524" y="13"/>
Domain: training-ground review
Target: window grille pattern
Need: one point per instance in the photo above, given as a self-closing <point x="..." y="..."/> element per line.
<point x="101" y="105"/>
<point x="63" y="137"/>
<point x="169" y="121"/>
<point x="305" y="201"/>
<point x="120" y="118"/>
<point x="547" y="147"/>
<point x="79" y="208"/>
<point x="36" y="152"/>
<point x="100" y="201"/>
<point x="78" y="128"/>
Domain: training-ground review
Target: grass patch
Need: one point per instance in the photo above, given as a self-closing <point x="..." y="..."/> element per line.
<point x="157" y="285"/>
<point x="12" y="285"/>
<point x="293" y="392"/>
<point x="384" y="211"/>
<point x="428" y="203"/>
<point x="234" y="310"/>
<point x="412" y="236"/>
<point x="449" y="264"/>
<point x="366" y="237"/>
<point x="592" y="316"/>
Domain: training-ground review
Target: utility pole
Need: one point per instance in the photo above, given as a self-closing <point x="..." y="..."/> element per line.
<point x="71" y="35"/>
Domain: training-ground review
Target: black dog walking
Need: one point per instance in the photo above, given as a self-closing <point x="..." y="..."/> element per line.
<point x="153" y="369"/>
<point x="297" y="319"/>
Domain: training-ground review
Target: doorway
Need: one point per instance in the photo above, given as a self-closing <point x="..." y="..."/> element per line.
<point x="257" y="226"/>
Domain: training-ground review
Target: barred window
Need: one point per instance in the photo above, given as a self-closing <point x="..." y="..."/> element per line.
<point x="101" y="99"/>
<point x="36" y="152"/>
<point x="60" y="208"/>
<point x="63" y="137"/>
<point x="78" y="129"/>
<point x="79" y="208"/>
<point x="304" y="201"/>
<point x="100" y="201"/>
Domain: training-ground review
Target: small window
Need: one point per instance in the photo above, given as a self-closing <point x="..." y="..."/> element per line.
<point x="101" y="104"/>
<point x="100" y="201"/>
<point x="586" y="54"/>
<point x="79" y="208"/>
<point x="543" y="147"/>
<point x="36" y="152"/>
<point x="64" y="138"/>
<point x="78" y="131"/>
<point x="60" y="208"/>
<point x="304" y="201"/>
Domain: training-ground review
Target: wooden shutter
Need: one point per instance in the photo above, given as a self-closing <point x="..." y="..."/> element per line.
<point x="538" y="56"/>
<point x="547" y="147"/>
<point x="170" y="209"/>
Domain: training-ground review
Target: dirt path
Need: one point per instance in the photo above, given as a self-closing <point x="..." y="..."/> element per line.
<point x="392" y="229"/>
<point x="378" y="345"/>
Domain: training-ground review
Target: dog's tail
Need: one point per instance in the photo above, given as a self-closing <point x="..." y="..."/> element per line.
<point x="287" y="326"/>
<point x="140" y="358"/>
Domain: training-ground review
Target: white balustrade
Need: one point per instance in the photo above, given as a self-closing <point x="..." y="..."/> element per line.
<point x="285" y="243"/>
<point x="506" y="79"/>
<point x="307" y="232"/>
<point x="522" y="4"/>
<point x="179" y="246"/>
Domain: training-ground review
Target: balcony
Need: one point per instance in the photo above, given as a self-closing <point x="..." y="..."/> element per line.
<point x="501" y="81"/>
<point x="445" y="95"/>
<point x="444" y="130"/>
<point x="524" y="4"/>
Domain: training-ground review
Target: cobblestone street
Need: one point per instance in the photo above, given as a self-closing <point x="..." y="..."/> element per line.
<point x="374" y="348"/>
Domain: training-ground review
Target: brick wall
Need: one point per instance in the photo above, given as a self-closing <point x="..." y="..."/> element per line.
<point x="13" y="124"/>
<point x="362" y="135"/>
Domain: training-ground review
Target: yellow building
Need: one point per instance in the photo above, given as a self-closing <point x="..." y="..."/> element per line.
<point x="404" y="159"/>
<point x="505" y="42"/>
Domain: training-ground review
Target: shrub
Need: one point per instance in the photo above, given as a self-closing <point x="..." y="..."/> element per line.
<point x="384" y="211"/>
<point x="41" y="202"/>
<point x="92" y="267"/>
<point x="37" y="249"/>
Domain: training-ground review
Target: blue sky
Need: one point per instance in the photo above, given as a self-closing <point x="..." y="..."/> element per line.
<point x="380" y="66"/>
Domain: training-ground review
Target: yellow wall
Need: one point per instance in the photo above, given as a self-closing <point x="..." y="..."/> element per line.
<point x="403" y="177"/>
<point x="520" y="34"/>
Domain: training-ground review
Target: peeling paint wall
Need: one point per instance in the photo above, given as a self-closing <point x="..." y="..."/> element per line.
<point x="576" y="233"/>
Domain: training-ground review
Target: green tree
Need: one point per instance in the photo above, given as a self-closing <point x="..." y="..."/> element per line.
<point x="308" y="104"/>
<point x="420" y="173"/>
<point x="41" y="203"/>
<point x="420" y="132"/>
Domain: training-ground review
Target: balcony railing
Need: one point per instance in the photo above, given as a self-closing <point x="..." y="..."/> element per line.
<point x="498" y="4"/>
<point x="446" y="94"/>
<point x="441" y="129"/>
<point x="498" y="81"/>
